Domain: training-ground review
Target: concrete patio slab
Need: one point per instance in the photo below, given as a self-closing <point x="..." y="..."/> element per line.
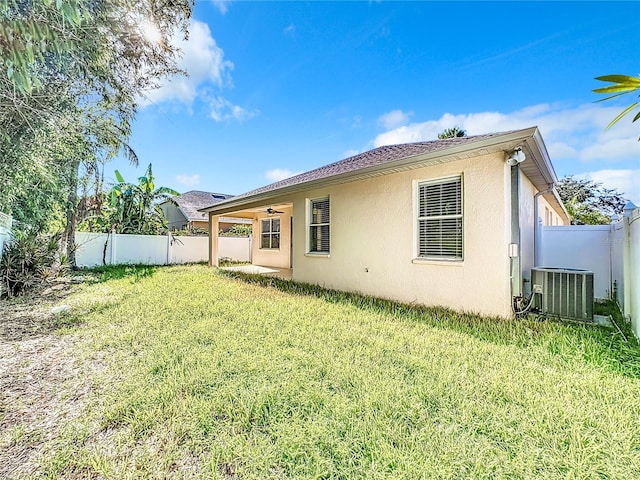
<point x="283" y="273"/>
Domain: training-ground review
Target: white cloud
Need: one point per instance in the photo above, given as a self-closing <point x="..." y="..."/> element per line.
<point x="204" y="62"/>
<point x="188" y="180"/>
<point x="562" y="150"/>
<point x="611" y="148"/>
<point x="278" y="174"/>
<point x="221" y="5"/>
<point x="626" y="181"/>
<point x="394" y="118"/>
<point x="289" y="29"/>
<point x="222" y="110"/>
<point x="208" y="73"/>
<point x="575" y="133"/>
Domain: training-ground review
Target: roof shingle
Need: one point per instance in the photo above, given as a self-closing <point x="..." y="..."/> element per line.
<point x="190" y="202"/>
<point x="375" y="157"/>
<point x="390" y="157"/>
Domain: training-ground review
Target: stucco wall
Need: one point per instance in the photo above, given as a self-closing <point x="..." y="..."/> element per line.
<point x="278" y="258"/>
<point x="373" y="240"/>
<point x="527" y="230"/>
<point x="224" y="226"/>
<point x="204" y="225"/>
<point x="548" y="214"/>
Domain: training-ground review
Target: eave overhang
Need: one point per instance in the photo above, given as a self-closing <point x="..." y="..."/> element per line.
<point x="537" y="167"/>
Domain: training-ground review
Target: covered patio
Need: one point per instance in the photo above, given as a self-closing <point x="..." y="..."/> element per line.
<point x="272" y="231"/>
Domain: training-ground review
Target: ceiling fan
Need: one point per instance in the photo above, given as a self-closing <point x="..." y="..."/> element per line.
<point x="271" y="211"/>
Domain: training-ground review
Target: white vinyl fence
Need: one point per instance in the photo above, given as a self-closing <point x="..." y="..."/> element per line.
<point x="117" y="249"/>
<point x="5" y="230"/>
<point x="631" y="266"/>
<point x="611" y="252"/>
<point x="587" y="247"/>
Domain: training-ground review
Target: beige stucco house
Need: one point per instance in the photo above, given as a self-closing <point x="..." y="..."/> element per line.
<point x="446" y="222"/>
<point x="182" y="211"/>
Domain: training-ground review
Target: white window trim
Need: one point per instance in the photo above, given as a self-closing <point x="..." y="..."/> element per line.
<point x="271" y="233"/>
<point x="308" y="225"/>
<point x="417" y="259"/>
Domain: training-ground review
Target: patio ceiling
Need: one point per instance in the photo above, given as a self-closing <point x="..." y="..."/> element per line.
<point x="254" y="211"/>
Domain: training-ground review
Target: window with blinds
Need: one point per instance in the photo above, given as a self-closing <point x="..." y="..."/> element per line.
<point x="319" y="226"/>
<point x="270" y="233"/>
<point x="440" y="219"/>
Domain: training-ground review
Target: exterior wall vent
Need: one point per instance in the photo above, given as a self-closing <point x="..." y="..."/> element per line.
<point x="565" y="292"/>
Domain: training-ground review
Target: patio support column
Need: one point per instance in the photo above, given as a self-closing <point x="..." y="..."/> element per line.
<point x="214" y="228"/>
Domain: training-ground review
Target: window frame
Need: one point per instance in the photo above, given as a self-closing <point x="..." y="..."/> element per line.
<point x="454" y="259"/>
<point x="311" y="226"/>
<point x="271" y="233"/>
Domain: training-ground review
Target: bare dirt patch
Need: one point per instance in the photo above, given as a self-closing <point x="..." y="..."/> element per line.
<point x="41" y="385"/>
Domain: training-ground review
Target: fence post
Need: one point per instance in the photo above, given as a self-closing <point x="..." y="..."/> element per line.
<point x="634" y="270"/>
<point x="113" y="248"/>
<point x="626" y="261"/>
<point x="538" y="242"/>
<point x="630" y="267"/>
<point x="169" y="245"/>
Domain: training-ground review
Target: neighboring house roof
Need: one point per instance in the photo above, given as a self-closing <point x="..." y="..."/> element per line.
<point x="190" y="202"/>
<point x="396" y="158"/>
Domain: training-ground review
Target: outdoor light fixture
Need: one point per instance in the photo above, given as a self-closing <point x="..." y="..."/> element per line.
<point x="516" y="157"/>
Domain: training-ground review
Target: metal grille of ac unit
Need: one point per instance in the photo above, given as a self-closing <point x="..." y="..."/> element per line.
<point x="566" y="292"/>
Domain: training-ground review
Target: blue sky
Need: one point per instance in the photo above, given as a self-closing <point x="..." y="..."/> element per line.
<point x="276" y="88"/>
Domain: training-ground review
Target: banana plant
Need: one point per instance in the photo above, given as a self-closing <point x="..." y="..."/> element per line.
<point x="135" y="207"/>
<point x="621" y="85"/>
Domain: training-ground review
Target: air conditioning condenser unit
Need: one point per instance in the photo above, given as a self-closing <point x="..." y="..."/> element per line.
<point x="565" y="292"/>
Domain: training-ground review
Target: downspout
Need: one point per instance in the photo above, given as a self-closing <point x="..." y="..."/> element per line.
<point x="514" y="247"/>
<point x="537" y="231"/>
<point x="514" y="159"/>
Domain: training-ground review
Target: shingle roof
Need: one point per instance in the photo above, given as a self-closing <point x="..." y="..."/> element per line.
<point x="393" y="158"/>
<point x="377" y="156"/>
<point x="190" y="202"/>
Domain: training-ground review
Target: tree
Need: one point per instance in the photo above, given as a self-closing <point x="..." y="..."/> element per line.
<point x="134" y="208"/>
<point x="452" y="133"/>
<point x="70" y="75"/>
<point x="621" y="85"/>
<point x="99" y="138"/>
<point x="115" y="47"/>
<point x="588" y="202"/>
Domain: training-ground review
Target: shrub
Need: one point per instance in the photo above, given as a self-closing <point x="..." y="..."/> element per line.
<point x="190" y="231"/>
<point x="27" y="261"/>
<point x="237" y="230"/>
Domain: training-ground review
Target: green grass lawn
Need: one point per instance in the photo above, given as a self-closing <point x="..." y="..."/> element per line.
<point x="200" y="375"/>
